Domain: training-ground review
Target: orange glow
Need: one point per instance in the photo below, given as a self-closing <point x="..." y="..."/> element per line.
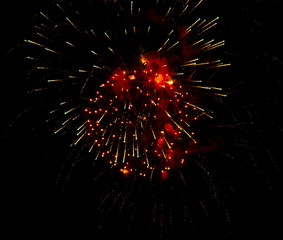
<point x="159" y="79"/>
<point x="124" y="171"/>
<point x="132" y="77"/>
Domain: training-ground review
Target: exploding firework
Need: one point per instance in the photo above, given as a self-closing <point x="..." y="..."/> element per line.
<point x="130" y="84"/>
<point x="130" y="79"/>
<point x="145" y="139"/>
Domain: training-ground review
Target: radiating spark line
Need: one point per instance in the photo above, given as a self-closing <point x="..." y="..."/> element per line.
<point x="40" y="89"/>
<point x="138" y="151"/>
<point x="163" y="45"/>
<point x="172" y="46"/>
<point x="92" y="146"/>
<point x="110" y="49"/>
<point x="223" y="65"/>
<point x="117" y="152"/>
<point x="194" y="106"/>
<point x="164" y="155"/>
<point x="154" y="137"/>
<point x="136" y="134"/>
<point x="55" y="80"/>
<point x="112" y="144"/>
<point x="208" y="88"/>
<point x="70" y="44"/>
<point x="41" y="45"/>
<point x="32" y="58"/>
<point x="195" y="7"/>
<point x="108" y="138"/>
<point x="168" y="12"/>
<point x="104" y="131"/>
<point x="194" y="23"/>
<point x="125" y="152"/>
<point x="76" y="116"/>
<point x="189" y="29"/>
<point x="182" y="129"/>
<point x="132" y="6"/>
<point x="206" y="44"/>
<point x="60" y="8"/>
<point x="78" y="129"/>
<point x="200" y="24"/>
<point x="182" y="177"/>
<point x="168" y="145"/>
<point x="208" y="25"/>
<point x="216" y="45"/>
<point x="185" y="8"/>
<point x="35" y="43"/>
<point x="55" y="110"/>
<point x="58" y="130"/>
<point x="97" y="154"/>
<point x="125" y="136"/>
<point x="148" y="30"/>
<point x="72" y="109"/>
<point x="73" y="77"/>
<point x="141" y="124"/>
<point x="41" y="35"/>
<point x="79" y="139"/>
<point x="106" y="34"/>
<point x="50" y="50"/>
<point x="93" y="33"/>
<point x="98" y="121"/>
<point x="69" y="119"/>
<point x="42" y="14"/>
<point x="191" y="61"/>
<point x="44" y="68"/>
<point x="133" y="146"/>
<point x="196" y="64"/>
<point x="95" y="66"/>
<point x="170" y="33"/>
<point x="84" y="128"/>
<point x="187" y="2"/>
<point x="72" y="24"/>
<point x="201" y="40"/>
<point x="93" y="52"/>
<point x="63" y="103"/>
<point x="220" y="94"/>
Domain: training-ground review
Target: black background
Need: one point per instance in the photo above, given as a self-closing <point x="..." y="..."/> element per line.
<point x="34" y="205"/>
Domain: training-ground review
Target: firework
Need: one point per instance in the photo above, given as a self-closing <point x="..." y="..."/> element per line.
<point x="129" y="79"/>
<point x="146" y="140"/>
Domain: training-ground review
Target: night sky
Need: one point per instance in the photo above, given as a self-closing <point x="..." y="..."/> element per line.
<point x="38" y="202"/>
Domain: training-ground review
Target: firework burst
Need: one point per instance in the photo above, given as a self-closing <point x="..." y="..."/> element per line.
<point x="129" y="83"/>
<point x="130" y="78"/>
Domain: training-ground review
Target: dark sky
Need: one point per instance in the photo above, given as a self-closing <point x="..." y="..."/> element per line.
<point x="31" y="160"/>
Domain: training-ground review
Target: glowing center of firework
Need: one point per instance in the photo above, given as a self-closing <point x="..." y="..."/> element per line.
<point x="136" y="119"/>
<point x="151" y="76"/>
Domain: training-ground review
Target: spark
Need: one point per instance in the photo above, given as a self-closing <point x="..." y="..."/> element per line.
<point x="106" y="34"/>
<point x="173" y="46"/>
<point x="55" y="80"/>
<point x="95" y="66"/>
<point x="72" y="24"/>
<point x="70" y="44"/>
